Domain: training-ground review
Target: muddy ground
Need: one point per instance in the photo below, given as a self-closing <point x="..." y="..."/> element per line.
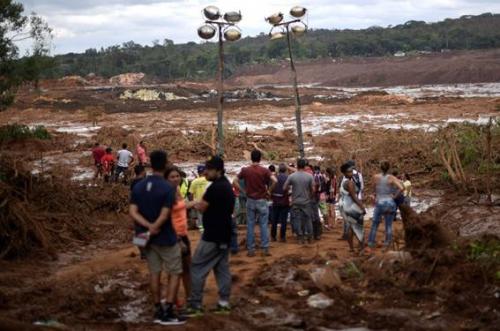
<point x="94" y="280"/>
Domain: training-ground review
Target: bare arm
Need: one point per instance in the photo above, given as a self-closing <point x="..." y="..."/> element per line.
<point x="137" y="217"/>
<point x="191" y="204"/>
<point x="236" y="184"/>
<point x="397" y="183"/>
<point x="202" y="205"/>
<point x="354" y="196"/>
<point x="155" y="227"/>
<point x="274" y="181"/>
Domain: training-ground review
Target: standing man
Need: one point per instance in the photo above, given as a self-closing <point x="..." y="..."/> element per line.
<point x="197" y="190"/>
<point x="125" y="158"/>
<point x="319" y="186"/>
<point x="302" y="184"/>
<point x="150" y="207"/>
<point x="212" y="252"/>
<point x="281" y="205"/>
<point x="259" y="184"/>
<point x="97" y="154"/>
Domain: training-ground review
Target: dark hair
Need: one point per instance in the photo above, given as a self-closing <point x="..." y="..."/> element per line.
<point x="272" y="168"/>
<point x="330" y="171"/>
<point x="158" y="160"/>
<point x="96" y="144"/>
<point x="407" y="176"/>
<point x="256" y="155"/>
<point x="317" y="168"/>
<point x="301" y="163"/>
<point x="139" y="169"/>
<point x="215" y="162"/>
<point x="183" y="174"/>
<point x="282" y="168"/>
<point x="171" y="169"/>
<point x="346" y="167"/>
<point x="385" y="166"/>
<point x="124" y="145"/>
<point x="109" y="150"/>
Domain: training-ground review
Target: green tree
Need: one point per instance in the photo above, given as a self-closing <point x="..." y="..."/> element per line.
<point x="14" y="28"/>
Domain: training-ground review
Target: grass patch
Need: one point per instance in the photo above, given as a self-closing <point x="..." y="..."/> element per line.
<point x="22" y="132"/>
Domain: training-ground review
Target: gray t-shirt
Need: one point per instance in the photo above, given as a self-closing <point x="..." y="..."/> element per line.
<point x="301" y="183"/>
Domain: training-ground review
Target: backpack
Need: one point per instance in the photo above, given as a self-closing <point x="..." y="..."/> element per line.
<point x="320" y="182"/>
<point x="357" y="181"/>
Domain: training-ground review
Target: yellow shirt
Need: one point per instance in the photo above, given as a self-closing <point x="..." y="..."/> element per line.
<point x="198" y="187"/>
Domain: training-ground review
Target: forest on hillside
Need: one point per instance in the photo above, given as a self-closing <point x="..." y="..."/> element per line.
<point x="166" y="60"/>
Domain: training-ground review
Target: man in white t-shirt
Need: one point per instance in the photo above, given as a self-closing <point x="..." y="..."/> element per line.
<point x="124" y="159"/>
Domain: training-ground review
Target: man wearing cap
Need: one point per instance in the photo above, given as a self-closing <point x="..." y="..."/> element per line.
<point x="212" y="252"/>
<point x="197" y="189"/>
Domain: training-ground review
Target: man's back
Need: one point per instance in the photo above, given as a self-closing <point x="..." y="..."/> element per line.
<point x="257" y="180"/>
<point x="151" y="195"/>
<point x="301" y="183"/>
<point x="218" y="216"/>
<point x="97" y="154"/>
<point x="124" y="157"/>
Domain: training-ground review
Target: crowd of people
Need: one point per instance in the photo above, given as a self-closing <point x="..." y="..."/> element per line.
<point x="165" y="205"/>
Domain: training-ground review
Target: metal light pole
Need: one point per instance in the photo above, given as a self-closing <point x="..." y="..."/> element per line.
<point x="226" y="30"/>
<point x="298" y="28"/>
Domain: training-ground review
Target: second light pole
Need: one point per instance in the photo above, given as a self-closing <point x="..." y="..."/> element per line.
<point x="298" y="28"/>
<point x="225" y="25"/>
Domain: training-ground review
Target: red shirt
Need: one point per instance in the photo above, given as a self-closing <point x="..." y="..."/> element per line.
<point x="257" y="180"/>
<point x="97" y="154"/>
<point x="108" y="160"/>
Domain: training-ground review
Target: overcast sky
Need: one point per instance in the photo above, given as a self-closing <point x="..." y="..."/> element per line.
<point x="83" y="24"/>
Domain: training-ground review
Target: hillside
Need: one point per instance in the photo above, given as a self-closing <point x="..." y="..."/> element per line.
<point x="168" y="61"/>
<point x="436" y="68"/>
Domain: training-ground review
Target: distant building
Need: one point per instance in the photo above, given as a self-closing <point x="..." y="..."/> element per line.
<point x="399" y="54"/>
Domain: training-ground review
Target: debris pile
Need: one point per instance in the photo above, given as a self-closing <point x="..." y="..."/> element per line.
<point x="48" y="212"/>
<point x="128" y="79"/>
<point x="150" y="95"/>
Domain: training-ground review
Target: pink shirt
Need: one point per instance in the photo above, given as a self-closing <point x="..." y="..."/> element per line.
<point x="141" y="154"/>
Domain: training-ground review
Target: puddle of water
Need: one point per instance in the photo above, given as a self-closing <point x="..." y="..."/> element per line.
<point x="473" y="90"/>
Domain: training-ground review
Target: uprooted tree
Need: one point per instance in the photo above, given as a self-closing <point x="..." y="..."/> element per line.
<point x="470" y="155"/>
<point x="15" y="27"/>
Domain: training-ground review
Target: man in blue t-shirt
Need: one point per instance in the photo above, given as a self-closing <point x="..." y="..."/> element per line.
<point x="150" y="205"/>
<point x="212" y="252"/>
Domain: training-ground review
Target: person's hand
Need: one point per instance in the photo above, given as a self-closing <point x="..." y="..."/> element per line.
<point x="154" y="229"/>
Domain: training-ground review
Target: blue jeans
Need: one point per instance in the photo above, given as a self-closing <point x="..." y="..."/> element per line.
<point x="387" y="209"/>
<point x="257" y="211"/>
<point x="302" y="220"/>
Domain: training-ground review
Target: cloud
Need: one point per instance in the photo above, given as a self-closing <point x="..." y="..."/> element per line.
<point x="80" y="25"/>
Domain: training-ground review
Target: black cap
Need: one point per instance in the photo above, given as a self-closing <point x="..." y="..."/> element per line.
<point x="215" y="162"/>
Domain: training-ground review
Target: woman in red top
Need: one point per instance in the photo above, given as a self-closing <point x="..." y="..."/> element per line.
<point x="180" y="224"/>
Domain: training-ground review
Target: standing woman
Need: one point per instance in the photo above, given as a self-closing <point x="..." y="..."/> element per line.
<point x="332" y="196"/>
<point x="351" y="208"/>
<point x="387" y="188"/>
<point x="180" y="224"/>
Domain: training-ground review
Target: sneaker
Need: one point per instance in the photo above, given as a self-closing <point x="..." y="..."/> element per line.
<point x="222" y="309"/>
<point x="251" y="254"/>
<point x="171" y="318"/>
<point x="193" y="312"/>
<point x="266" y="253"/>
<point x="159" y="312"/>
